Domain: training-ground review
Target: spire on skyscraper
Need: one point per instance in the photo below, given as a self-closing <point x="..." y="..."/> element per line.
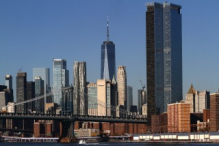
<point x="107" y="29"/>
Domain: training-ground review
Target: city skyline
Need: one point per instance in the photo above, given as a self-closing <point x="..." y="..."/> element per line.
<point x="57" y="37"/>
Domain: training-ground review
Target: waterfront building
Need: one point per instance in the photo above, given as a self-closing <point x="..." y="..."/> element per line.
<point x="164" y="56"/>
<point x="122" y="86"/>
<point x="80" y="102"/>
<point x="214" y="112"/>
<point x="60" y="79"/>
<point x="108" y="59"/>
<point x="178" y="117"/>
<point x="129" y="97"/>
<point x="39" y="90"/>
<point x="21" y="83"/>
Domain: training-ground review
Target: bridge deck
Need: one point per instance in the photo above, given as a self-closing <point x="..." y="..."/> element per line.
<point x="71" y="117"/>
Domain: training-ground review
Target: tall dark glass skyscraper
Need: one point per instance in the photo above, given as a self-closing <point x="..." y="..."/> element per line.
<point x="108" y="60"/>
<point x="21" y="83"/>
<point x="164" y="56"/>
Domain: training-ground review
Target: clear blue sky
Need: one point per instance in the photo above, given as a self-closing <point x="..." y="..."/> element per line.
<point x="33" y="32"/>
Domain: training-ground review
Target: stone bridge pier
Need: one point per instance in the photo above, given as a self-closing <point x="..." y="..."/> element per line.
<point x="67" y="132"/>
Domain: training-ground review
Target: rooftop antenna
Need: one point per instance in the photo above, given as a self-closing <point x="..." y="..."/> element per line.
<point x="20" y="69"/>
<point x="107" y="29"/>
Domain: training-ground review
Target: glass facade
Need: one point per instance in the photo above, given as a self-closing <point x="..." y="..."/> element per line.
<point x="39" y="90"/>
<point x="164" y="56"/>
<point x="129" y="97"/>
<point x="92" y="97"/>
<point x="108" y="61"/>
<point x="44" y="74"/>
<point x="30" y="95"/>
<point x="60" y="79"/>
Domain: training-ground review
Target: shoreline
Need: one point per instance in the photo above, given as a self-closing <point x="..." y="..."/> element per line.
<point x="119" y="141"/>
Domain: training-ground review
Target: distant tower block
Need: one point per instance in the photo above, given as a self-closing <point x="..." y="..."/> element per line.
<point x="122" y="86"/>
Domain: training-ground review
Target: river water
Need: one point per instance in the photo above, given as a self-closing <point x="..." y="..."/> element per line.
<point x="106" y="144"/>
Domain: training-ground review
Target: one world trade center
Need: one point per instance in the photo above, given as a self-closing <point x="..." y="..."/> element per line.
<point x="108" y="60"/>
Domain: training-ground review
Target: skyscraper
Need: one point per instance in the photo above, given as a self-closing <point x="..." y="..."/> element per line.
<point x="129" y="97"/>
<point x="39" y="90"/>
<point x="8" y="83"/>
<point x="190" y="98"/>
<point x="80" y="102"/>
<point x="108" y="60"/>
<point x="198" y="100"/>
<point x="60" y="79"/>
<point x="30" y="95"/>
<point x="44" y="74"/>
<point x="92" y="100"/>
<point x="122" y="86"/>
<point x="104" y="96"/>
<point x="141" y="99"/>
<point x="21" y="90"/>
<point x="164" y="56"/>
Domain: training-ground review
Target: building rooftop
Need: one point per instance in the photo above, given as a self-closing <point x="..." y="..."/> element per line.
<point x="191" y="90"/>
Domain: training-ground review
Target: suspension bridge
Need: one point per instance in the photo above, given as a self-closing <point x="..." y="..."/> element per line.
<point x="68" y="118"/>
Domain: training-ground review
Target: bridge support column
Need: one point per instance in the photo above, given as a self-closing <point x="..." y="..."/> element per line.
<point x="67" y="133"/>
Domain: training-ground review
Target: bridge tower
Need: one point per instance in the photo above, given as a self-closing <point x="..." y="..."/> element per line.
<point x="67" y="132"/>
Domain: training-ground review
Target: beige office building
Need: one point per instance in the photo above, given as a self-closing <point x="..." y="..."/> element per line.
<point x="198" y="100"/>
<point x="101" y="98"/>
<point x="190" y="98"/>
<point x="122" y="86"/>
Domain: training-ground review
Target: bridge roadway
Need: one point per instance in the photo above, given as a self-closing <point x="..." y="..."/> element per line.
<point x="71" y="117"/>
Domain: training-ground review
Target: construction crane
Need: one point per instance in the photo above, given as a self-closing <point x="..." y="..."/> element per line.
<point x="143" y="86"/>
